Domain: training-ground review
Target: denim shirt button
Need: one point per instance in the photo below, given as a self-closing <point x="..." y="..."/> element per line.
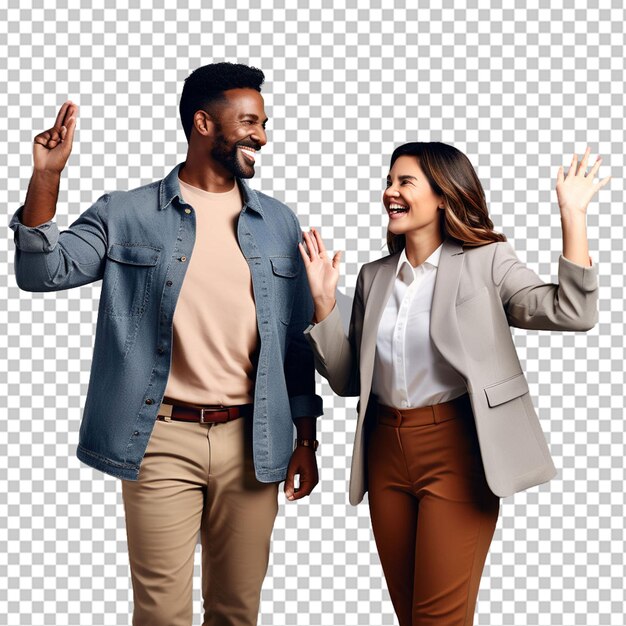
<point x="183" y="258"/>
<point x="136" y="433"/>
<point x="188" y="211"/>
<point x="169" y="283"/>
<point x="149" y="400"/>
<point x="160" y="350"/>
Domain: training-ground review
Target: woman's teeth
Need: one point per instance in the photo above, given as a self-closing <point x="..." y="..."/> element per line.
<point x="397" y="208"/>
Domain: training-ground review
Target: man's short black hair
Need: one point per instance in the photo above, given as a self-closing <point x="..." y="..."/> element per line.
<point x="208" y="83"/>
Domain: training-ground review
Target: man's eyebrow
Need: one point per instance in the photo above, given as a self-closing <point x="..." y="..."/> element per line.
<point x="253" y="116"/>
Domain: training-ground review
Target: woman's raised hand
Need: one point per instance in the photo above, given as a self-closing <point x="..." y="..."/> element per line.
<point x="575" y="190"/>
<point x="574" y="193"/>
<point x="322" y="273"/>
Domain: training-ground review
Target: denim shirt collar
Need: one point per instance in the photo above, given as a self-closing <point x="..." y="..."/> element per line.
<point x="169" y="189"/>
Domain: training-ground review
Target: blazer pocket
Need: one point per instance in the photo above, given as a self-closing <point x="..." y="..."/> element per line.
<point x="506" y="390"/>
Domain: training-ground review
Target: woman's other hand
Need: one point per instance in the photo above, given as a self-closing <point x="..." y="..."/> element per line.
<point x="322" y="273"/>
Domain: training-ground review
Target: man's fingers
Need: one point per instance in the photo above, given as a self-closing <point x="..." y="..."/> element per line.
<point x="303" y="489"/>
<point x="289" y="490"/>
<point x="55" y="138"/>
<point x="48" y="139"/>
<point x="67" y="111"/>
<point x="71" y="127"/>
<point x="337" y="260"/>
<point x="42" y="138"/>
<point x="60" y="120"/>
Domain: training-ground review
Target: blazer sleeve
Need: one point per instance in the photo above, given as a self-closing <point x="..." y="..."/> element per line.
<point x="337" y="356"/>
<point x="530" y="303"/>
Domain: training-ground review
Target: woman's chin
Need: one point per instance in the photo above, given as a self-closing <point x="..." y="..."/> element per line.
<point x="396" y="229"/>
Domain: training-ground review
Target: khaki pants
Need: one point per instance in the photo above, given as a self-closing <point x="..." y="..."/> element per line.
<point x="433" y="515"/>
<point x="198" y="478"/>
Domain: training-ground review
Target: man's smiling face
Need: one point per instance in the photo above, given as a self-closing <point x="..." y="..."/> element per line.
<point x="239" y="122"/>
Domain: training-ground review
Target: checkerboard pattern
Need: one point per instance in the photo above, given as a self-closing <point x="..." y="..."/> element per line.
<point x="517" y="89"/>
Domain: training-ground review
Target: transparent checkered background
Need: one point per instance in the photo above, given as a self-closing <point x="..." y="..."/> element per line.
<point x="518" y="90"/>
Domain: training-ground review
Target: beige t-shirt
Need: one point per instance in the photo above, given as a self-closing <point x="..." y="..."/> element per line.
<point x="215" y="339"/>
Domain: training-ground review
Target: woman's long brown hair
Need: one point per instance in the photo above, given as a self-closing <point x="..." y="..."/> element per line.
<point x="451" y="175"/>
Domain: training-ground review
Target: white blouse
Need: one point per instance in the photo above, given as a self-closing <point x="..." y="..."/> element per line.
<point x="408" y="370"/>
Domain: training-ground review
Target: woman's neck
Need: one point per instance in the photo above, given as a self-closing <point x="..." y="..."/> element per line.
<point x="419" y="246"/>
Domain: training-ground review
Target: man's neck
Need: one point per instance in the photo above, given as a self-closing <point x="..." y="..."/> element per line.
<point x="206" y="178"/>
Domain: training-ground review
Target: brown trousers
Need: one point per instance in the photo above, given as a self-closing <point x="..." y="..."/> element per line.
<point x="433" y="515"/>
<point x="198" y="478"/>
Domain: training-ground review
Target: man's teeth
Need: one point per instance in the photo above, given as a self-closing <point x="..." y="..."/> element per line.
<point x="248" y="152"/>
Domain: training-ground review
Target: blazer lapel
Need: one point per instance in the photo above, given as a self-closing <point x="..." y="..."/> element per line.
<point x="382" y="286"/>
<point x="444" y="330"/>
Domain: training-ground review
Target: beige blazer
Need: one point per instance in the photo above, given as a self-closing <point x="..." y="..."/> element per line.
<point x="479" y="292"/>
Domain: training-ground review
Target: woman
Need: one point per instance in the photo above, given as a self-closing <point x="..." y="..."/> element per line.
<point x="446" y="425"/>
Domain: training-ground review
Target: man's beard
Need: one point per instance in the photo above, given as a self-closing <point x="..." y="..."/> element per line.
<point x="230" y="158"/>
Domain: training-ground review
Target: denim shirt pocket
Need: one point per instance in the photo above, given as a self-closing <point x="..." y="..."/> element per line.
<point x="129" y="273"/>
<point x="284" y="274"/>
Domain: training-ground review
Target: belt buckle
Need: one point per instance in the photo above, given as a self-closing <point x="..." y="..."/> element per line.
<point x="204" y="410"/>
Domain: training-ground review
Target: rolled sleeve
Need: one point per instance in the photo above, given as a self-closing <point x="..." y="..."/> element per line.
<point x="531" y="303"/>
<point x="41" y="238"/>
<point x="586" y="277"/>
<point x="306" y="406"/>
<point x="49" y="260"/>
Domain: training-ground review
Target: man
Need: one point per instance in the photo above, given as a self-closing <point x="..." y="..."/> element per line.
<point x="200" y="366"/>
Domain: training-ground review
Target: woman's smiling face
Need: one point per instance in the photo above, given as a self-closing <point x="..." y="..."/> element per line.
<point x="409" y="199"/>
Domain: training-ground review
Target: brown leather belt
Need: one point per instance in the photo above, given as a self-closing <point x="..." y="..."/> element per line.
<point x="423" y="415"/>
<point x="203" y="414"/>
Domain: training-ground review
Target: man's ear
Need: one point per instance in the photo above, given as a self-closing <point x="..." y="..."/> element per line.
<point x="203" y="123"/>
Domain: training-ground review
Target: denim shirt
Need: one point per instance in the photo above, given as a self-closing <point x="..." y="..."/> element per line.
<point x="136" y="241"/>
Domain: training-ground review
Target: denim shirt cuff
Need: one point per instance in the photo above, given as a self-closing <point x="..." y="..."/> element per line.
<point x="306" y="406"/>
<point x="41" y="238"/>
